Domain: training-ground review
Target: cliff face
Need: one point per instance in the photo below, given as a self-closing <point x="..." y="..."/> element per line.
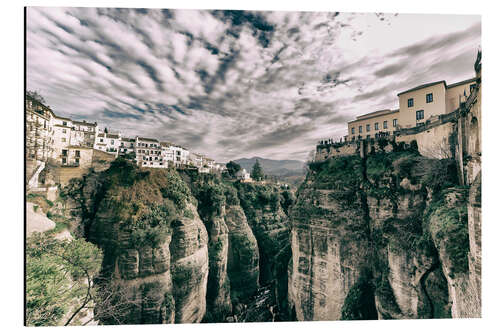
<point x="179" y="248"/>
<point x="265" y="207"/>
<point x="155" y="246"/>
<point x="249" y="235"/>
<point x="390" y="227"/>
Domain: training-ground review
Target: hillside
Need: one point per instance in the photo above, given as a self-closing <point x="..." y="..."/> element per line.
<point x="291" y="171"/>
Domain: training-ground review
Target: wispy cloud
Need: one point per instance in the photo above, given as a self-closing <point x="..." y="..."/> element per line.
<point x="233" y="83"/>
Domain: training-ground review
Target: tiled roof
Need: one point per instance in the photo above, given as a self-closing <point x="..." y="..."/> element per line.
<point x="84" y="123"/>
<point x="461" y="82"/>
<point x="147" y="139"/>
<point x="423" y="86"/>
<point x="62" y="118"/>
<point x="373" y="115"/>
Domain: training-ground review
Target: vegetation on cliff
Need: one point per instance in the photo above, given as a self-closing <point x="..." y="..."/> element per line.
<point x="59" y="279"/>
<point x="393" y="210"/>
<point x="142" y="202"/>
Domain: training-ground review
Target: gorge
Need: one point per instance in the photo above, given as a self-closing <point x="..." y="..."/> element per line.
<point x="384" y="236"/>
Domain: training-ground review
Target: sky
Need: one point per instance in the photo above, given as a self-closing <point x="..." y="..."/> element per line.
<point x="234" y="84"/>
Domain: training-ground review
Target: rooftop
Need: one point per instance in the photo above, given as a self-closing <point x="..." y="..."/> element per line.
<point x="424" y="86"/>
<point x="84" y="123"/>
<point x="62" y="118"/>
<point x="147" y="139"/>
<point x="461" y="82"/>
<point x="438" y="82"/>
<point x="373" y="115"/>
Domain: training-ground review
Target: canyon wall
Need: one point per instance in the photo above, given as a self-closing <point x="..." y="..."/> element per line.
<point x="391" y="226"/>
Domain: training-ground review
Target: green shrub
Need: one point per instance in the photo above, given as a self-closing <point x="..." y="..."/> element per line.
<point x="359" y="303"/>
<point x="449" y="226"/>
<point x="152" y="227"/>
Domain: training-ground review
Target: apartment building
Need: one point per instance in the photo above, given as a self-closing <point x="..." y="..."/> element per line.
<point x="167" y="153"/>
<point x="39" y="130"/>
<point x="108" y="142"/>
<point x="127" y="146"/>
<point x="416" y="106"/>
<point x="148" y="153"/>
<point x="430" y="100"/>
<point x="181" y="155"/>
<point x="373" y="125"/>
<point x="196" y="160"/>
<point x="83" y="133"/>
<point x="62" y="139"/>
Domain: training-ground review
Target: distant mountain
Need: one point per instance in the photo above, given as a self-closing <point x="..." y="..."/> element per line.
<point x="287" y="170"/>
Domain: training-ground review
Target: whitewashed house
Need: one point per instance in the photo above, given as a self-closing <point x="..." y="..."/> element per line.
<point x="127" y="146"/>
<point x="108" y="142"/>
<point x="148" y="153"/>
<point x="195" y="160"/>
<point x="39" y="131"/>
<point x="181" y="155"/>
<point x="61" y="139"/>
<point x="167" y="153"/>
<point x="83" y="133"/>
<point x="243" y="175"/>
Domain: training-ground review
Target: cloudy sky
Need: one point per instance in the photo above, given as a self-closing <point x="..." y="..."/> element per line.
<point x="234" y="84"/>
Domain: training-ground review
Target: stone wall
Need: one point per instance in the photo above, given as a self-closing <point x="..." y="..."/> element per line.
<point x="434" y="142"/>
<point x="324" y="152"/>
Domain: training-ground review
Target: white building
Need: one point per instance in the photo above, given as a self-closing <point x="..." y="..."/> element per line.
<point x="127" y="146"/>
<point x="148" y="153"/>
<point x="195" y="160"/>
<point x="39" y="131"/>
<point x="108" y="142"/>
<point x="62" y="138"/>
<point x="83" y="133"/>
<point x="243" y="175"/>
<point x="181" y="155"/>
<point x="167" y="153"/>
<point x="220" y="167"/>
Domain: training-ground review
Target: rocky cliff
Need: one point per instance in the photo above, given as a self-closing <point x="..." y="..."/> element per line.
<point x="179" y="247"/>
<point x="385" y="236"/>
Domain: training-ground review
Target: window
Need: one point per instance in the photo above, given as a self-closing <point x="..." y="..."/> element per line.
<point x="410" y="102"/>
<point x="112" y="142"/>
<point x="394" y="122"/>
<point x="420" y="114"/>
<point x="429" y="98"/>
<point x="385" y="123"/>
<point x="376" y="126"/>
<point x="360" y="129"/>
<point x="77" y="153"/>
<point x="368" y="136"/>
<point x="77" y="160"/>
<point x="64" y="160"/>
<point x="64" y="130"/>
<point x="352" y="130"/>
<point x="65" y="123"/>
<point x="353" y="138"/>
<point x="472" y="87"/>
<point x="368" y="127"/>
<point x="63" y="140"/>
<point x="101" y="140"/>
